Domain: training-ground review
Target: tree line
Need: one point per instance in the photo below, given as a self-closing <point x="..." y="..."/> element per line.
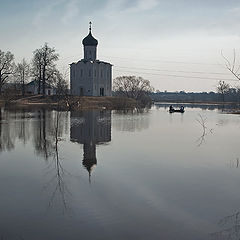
<point x="42" y="68"/>
<point x="141" y="90"/>
<point x="224" y="93"/>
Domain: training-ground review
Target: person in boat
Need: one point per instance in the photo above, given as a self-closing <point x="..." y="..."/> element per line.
<point x="171" y="108"/>
<point x="182" y="108"/>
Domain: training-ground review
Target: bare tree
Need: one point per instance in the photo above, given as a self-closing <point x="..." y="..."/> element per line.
<point x="132" y="87"/>
<point x="223" y="89"/>
<point x="22" y="74"/>
<point x="6" y="67"/>
<point x="44" y="67"/>
<point x="232" y="64"/>
<point x="37" y="67"/>
<point x="237" y="93"/>
<point x="59" y="81"/>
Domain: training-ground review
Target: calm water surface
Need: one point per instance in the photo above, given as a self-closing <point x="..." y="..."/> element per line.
<point x="120" y="175"/>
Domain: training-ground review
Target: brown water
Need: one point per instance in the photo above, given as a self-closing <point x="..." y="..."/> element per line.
<point x="120" y="175"/>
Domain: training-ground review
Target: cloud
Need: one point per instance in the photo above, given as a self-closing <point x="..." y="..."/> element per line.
<point x="44" y="12"/>
<point x="143" y="5"/>
<point x="121" y="7"/>
<point x="63" y="10"/>
<point x="234" y="10"/>
<point x="72" y="10"/>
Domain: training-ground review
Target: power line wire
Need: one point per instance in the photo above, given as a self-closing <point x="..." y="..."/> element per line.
<point x="164" y="61"/>
<point x="181" y="76"/>
<point x="148" y="60"/>
<point x="165" y="70"/>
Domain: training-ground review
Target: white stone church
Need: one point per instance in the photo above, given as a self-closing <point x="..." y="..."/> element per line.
<point x="89" y="76"/>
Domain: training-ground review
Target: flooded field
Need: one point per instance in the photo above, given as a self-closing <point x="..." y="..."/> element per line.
<point x="120" y="175"/>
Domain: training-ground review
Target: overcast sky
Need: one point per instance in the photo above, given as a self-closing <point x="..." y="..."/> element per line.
<point x="176" y="44"/>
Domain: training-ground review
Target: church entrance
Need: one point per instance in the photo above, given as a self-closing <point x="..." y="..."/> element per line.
<point x="81" y="91"/>
<point x="101" y="91"/>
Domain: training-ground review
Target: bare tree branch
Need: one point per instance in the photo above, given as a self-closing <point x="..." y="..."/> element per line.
<point x="7" y="67"/>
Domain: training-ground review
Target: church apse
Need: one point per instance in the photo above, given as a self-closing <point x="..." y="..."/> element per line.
<point x="90" y="128"/>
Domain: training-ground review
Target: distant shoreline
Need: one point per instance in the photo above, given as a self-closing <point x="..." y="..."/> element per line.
<point x="228" y="107"/>
<point x="200" y="102"/>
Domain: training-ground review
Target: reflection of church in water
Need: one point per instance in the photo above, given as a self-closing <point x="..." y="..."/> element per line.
<point x="90" y="128"/>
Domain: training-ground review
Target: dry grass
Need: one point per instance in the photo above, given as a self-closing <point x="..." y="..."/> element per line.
<point x="75" y="102"/>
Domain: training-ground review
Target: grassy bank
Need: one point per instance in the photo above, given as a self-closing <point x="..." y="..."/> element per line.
<point x="71" y="102"/>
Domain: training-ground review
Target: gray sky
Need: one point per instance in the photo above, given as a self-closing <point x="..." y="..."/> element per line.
<point x="176" y="44"/>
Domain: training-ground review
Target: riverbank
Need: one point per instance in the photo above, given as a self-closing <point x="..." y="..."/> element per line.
<point x="110" y="103"/>
<point x="71" y="102"/>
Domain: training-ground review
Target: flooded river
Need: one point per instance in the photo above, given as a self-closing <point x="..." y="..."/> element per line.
<point x="120" y="175"/>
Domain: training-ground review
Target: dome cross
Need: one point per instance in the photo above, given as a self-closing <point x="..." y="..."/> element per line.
<point x="90" y="26"/>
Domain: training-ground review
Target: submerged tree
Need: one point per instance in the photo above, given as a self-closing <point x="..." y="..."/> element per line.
<point x="22" y="74"/>
<point x="44" y="66"/>
<point x="6" y="67"/>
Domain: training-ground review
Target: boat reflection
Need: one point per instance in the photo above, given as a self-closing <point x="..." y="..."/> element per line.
<point x="90" y="128"/>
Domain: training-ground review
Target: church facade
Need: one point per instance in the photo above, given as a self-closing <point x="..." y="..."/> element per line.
<point x="89" y="76"/>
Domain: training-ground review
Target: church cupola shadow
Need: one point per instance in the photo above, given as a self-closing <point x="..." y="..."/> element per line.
<point x="90" y="128"/>
<point x="89" y="158"/>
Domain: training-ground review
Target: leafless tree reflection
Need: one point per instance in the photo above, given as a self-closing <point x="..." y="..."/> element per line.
<point x="43" y="144"/>
<point x="13" y="125"/>
<point x="55" y="168"/>
<point x="45" y="130"/>
<point x="234" y="163"/>
<point x="230" y="228"/>
<point x="205" y="131"/>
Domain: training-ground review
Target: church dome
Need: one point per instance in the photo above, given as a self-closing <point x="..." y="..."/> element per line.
<point x="89" y="40"/>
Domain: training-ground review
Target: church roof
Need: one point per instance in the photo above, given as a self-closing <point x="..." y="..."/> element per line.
<point x="89" y="40"/>
<point x="92" y="62"/>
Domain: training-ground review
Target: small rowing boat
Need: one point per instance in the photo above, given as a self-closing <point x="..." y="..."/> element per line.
<point x="177" y="110"/>
<point x="172" y="110"/>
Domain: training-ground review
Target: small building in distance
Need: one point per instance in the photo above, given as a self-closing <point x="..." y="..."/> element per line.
<point x="32" y="88"/>
<point x="89" y="76"/>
